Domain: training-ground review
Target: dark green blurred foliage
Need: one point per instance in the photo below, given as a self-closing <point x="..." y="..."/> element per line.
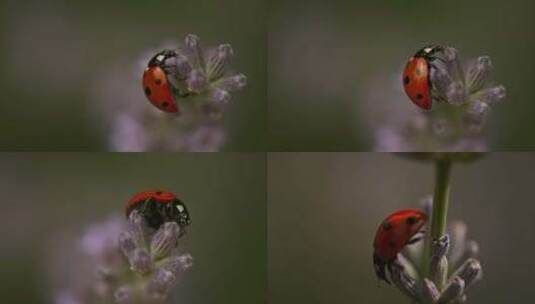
<point x="49" y="196"/>
<point x="54" y="50"/>
<point x="326" y="59"/>
<point x="324" y="209"/>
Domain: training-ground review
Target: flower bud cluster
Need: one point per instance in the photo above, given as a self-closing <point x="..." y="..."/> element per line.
<point x="130" y="263"/>
<point x="453" y="270"/>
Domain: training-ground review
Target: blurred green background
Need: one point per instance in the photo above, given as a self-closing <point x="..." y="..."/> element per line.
<point x="324" y="209"/>
<point x="55" y="52"/>
<point x="49" y="195"/>
<point x="327" y="58"/>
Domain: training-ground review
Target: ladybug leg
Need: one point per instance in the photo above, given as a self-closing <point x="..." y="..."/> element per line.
<point x="169" y="53"/>
<point x="420" y="233"/>
<point x="439" y="59"/>
<point x="380" y="268"/>
<point x="415" y="239"/>
<point x="146" y="204"/>
<point x="179" y="92"/>
<point x="151" y="213"/>
<point x="176" y="84"/>
<point x="168" y="68"/>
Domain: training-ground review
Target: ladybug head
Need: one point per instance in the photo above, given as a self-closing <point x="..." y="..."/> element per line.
<point x="177" y="212"/>
<point x="429" y="51"/>
<point x="156" y="213"/>
<point x="160" y="58"/>
<point x="174" y="211"/>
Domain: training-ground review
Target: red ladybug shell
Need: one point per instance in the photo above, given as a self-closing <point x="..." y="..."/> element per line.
<point x="158" y="90"/>
<point x="162" y="197"/>
<point x="416" y="82"/>
<point x="396" y="231"/>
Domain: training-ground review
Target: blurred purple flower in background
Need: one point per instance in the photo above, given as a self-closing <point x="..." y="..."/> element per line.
<point x="133" y="124"/>
<point x="118" y="262"/>
<point x="462" y="96"/>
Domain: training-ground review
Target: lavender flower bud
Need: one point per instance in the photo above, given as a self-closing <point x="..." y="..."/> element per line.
<point x="196" y="81"/>
<point x="453" y="291"/>
<point x="475" y="116"/>
<point x="191" y="41"/>
<point x="441" y="80"/>
<point x="123" y="295"/>
<point x="183" y="67"/>
<point x="127" y="243"/>
<point x="217" y="63"/>
<point x="194" y="51"/>
<point x="405" y="283"/>
<point x="430" y="293"/>
<point x="140" y="260"/>
<point x="233" y="83"/>
<point x="161" y="282"/>
<point x="492" y="95"/>
<point x="478" y="109"/>
<point x="178" y="264"/>
<point x="456" y="93"/>
<point x="165" y="240"/>
<point x="137" y="227"/>
<point x="478" y="74"/>
<point x="439" y="262"/>
<point x="497" y="93"/>
<point x="470" y="272"/>
<point x="451" y="55"/>
<point x="454" y="64"/>
<point x="220" y="96"/>
<point x="441" y="246"/>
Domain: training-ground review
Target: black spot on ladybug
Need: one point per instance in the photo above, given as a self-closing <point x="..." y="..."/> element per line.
<point x="165" y="104"/>
<point x="158" y="81"/>
<point x="406" y="80"/>
<point x="411" y="220"/>
<point x="158" y="192"/>
<point x="147" y="91"/>
<point x="387" y="226"/>
<point x="419" y="96"/>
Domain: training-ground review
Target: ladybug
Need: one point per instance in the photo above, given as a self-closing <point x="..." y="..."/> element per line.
<point x="156" y="84"/>
<point x="416" y="76"/>
<point x="394" y="233"/>
<point x="158" y="207"/>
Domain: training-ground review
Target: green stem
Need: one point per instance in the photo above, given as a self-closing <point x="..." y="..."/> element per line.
<point x="440" y="209"/>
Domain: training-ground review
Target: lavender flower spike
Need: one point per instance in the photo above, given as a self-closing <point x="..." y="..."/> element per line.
<point x="142" y="265"/>
<point x="202" y="83"/>
<point x="206" y="72"/>
<point x="461" y="95"/>
<point x="447" y="282"/>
